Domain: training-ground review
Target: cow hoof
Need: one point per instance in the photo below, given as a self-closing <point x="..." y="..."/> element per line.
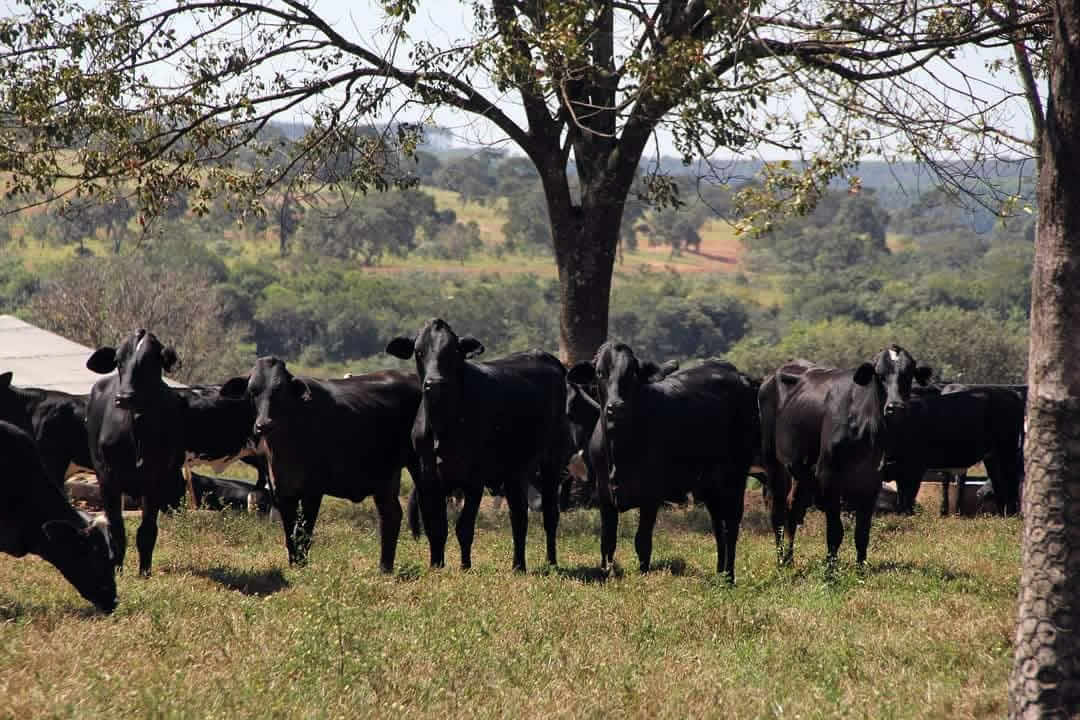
<point x="144" y="572"/>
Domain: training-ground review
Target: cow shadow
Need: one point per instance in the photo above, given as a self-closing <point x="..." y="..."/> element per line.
<point x="258" y="583"/>
<point x="586" y="574"/>
<point x="14" y="610"/>
<point x="933" y="572"/>
<point x="675" y="566"/>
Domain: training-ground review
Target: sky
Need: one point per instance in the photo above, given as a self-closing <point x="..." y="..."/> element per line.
<point x="444" y="21"/>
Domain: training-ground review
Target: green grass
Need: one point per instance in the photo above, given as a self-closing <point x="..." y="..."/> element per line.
<point x="225" y="628"/>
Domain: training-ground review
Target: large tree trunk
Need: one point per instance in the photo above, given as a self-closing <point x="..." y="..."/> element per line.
<point x="585" y="246"/>
<point x="1045" y="680"/>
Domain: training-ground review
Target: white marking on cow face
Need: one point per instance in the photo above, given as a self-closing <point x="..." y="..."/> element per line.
<point x="893" y="355"/>
<point x="139" y="344"/>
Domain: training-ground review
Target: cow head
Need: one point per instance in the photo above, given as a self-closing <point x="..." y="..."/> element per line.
<point x="139" y="361"/>
<point x="273" y="390"/>
<point x="893" y="372"/>
<point x="85" y="557"/>
<point x="440" y="362"/>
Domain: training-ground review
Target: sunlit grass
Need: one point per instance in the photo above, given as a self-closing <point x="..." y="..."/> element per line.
<point x="225" y="628"/>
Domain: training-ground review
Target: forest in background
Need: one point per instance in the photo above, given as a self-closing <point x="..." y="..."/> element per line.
<point x="323" y="281"/>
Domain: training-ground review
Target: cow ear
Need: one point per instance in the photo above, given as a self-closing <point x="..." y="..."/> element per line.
<point x="169" y="360"/>
<point x="400" y="347"/>
<point x="102" y="361"/>
<point x="470" y="347"/>
<point x="234" y="388"/>
<point x="60" y="533"/>
<point x="582" y="374"/>
<point x="864" y="374"/>
<point x="5" y="379"/>
<point x="923" y="374"/>
<point x="301" y="389"/>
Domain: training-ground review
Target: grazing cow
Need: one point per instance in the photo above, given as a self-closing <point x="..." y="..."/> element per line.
<point x="56" y="421"/>
<point x="953" y="431"/>
<point x="485" y="424"/>
<point x="346" y="438"/>
<point x="694" y="431"/>
<point x="828" y="432"/>
<point x="135" y="426"/>
<point x="36" y="517"/>
<point x="218" y="432"/>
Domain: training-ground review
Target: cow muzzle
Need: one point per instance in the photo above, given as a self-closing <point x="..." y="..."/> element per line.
<point x="895" y="409"/>
<point x="124" y="401"/>
<point x="263" y="427"/>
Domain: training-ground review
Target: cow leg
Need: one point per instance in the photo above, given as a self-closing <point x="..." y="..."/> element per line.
<point x="549" y="491"/>
<point x="433" y="513"/>
<point x="466" y="524"/>
<point x="726" y="511"/>
<point x="643" y="537"/>
<point x="946" y="480"/>
<point x="114" y="517"/>
<point x="287" y="507"/>
<point x="864" y="513"/>
<point x="799" y="496"/>
<point x="304" y="526"/>
<point x="777" y="484"/>
<point x="609" y="529"/>
<point x="389" y="509"/>
<point x="517" y="503"/>
<point x="146" y="537"/>
<point x="834" y="529"/>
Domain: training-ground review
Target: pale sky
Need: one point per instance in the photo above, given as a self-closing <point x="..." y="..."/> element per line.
<point x="445" y="21"/>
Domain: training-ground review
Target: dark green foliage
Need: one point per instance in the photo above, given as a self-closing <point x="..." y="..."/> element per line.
<point x="527" y="228"/>
<point x="370" y="226"/>
<point x="17" y="284"/>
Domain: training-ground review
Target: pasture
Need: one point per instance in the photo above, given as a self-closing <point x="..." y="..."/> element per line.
<point x="225" y="628"/>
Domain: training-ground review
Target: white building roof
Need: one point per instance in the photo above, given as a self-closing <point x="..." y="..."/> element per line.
<point x="41" y="359"/>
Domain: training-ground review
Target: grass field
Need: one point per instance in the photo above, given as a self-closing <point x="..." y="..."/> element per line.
<point x="226" y="629"/>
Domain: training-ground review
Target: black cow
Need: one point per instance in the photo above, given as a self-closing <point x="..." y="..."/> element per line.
<point x="492" y="424"/>
<point x="218" y="431"/>
<point x="135" y="426"/>
<point x="214" y="493"/>
<point x="829" y="431"/>
<point x="582" y="412"/>
<point x="955" y="430"/>
<point x="56" y="421"/>
<point x="346" y="438"/>
<point x="694" y="431"/>
<point x="36" y="517"/>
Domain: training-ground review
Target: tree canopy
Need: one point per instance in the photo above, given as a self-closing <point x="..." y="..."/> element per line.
<point x="125" y="97"/>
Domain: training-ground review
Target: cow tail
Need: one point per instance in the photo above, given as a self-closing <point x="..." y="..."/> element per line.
<point x="414" y="514"/>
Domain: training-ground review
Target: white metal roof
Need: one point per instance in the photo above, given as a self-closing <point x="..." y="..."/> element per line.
<point x="41" y="359"/>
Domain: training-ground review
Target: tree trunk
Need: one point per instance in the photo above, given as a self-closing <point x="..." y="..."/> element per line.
<point x="1045" y="681"/>
<point x="585" y="243"/>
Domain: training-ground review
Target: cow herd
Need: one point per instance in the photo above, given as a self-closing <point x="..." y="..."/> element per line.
<point x="617" y="432"/>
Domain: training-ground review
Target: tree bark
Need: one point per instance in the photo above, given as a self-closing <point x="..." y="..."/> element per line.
<point x="1045" y="681"/>
<point x="585" y="247"/>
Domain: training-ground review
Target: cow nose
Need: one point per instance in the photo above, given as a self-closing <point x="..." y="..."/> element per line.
<point x="892" y="408"/>
<point x="263" y="426"/>
<point x="124" y="400"/>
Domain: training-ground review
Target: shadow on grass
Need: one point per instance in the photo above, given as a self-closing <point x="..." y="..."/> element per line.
<point x="13" y="610"/>
<point x="934" y="572"/>
<point x="587" y="574"/>
<point x="248" y="582"/>
<point x="676" y="566"/>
